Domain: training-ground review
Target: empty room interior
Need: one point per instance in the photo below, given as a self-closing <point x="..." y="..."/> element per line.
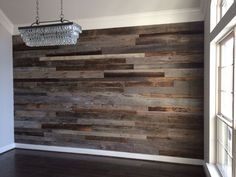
<point x="98" y="88"/>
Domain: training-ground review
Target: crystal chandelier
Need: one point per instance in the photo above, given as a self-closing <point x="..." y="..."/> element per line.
<point x="51" y="33"/>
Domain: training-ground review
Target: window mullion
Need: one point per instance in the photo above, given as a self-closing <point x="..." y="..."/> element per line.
<point x="234" y="111"/>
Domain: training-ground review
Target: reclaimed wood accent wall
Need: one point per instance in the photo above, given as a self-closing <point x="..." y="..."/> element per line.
<point x="136" y="89"/>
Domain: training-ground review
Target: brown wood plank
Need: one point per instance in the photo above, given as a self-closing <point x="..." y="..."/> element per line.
<point x="131" y="73"/>
<point x="171" y="39"/>
<point x="57" y="74"/>
<point x="175" y="109"/>
<point x="95" y="67"/>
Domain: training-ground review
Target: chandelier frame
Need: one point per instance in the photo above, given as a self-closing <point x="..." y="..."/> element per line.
<point x="60" y="27"/>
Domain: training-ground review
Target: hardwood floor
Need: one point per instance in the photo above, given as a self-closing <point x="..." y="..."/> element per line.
<point x="25" y="163"/>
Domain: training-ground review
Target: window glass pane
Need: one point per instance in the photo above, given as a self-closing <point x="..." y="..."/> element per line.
<point x="227" y="52"/>
<point x="226" y="105"/>
<point x="224" y="161"/>
<point x="225" y="5"/>
<point x="226" y="78"/>
<point x="224" y="135"/>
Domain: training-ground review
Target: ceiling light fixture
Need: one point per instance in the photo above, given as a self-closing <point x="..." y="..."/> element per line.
<point x="50" y="33"/>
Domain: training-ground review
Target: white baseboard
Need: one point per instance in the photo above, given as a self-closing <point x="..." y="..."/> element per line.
<point x="136" y="156"/>
<point x="7" y="148"/>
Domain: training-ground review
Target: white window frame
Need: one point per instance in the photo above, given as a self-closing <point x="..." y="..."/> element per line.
<point x="216" y="13"/>
<point x="219" y="10"/>
<point x="215" y="29"/>
<point x="232" y="124"/>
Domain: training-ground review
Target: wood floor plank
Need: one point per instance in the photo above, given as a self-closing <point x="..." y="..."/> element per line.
<point x="25" y="163"/>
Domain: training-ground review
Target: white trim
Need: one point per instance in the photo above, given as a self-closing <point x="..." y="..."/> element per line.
<point x="138" y="19"/>
<point x="210" y="170"/>
<point x="227" y="22"/>
<point x="4" y="21"/>
<point x="7" y="148"/>
<point x="136" y="156"/>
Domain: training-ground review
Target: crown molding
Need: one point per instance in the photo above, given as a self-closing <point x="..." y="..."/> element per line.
<point x="138" y="19"/>
<point x="6" y="23"/>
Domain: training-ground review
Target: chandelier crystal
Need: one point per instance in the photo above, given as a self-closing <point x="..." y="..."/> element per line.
<point x="60" y="32"/>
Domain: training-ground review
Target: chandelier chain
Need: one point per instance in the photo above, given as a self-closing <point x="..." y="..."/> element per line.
<point x="62" y="14"/>
<point x="37" y="12"/>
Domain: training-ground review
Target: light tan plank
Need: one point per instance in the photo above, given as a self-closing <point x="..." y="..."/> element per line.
<point x="93" y="57"/>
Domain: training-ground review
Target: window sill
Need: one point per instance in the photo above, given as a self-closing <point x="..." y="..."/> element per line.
<point x="211" y="170"/>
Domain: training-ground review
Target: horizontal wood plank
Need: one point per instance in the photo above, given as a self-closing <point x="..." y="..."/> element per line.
<point x="93" y="57"/>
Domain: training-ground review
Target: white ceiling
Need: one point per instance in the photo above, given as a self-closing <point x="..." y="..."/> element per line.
<point x="23" y="11"/>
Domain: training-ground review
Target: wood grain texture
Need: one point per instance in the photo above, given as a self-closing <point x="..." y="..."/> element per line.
<point x="137" y="89"/>
<point x="93" y="57"/>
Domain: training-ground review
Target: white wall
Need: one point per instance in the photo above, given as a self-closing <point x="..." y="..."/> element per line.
<point x="6" y="90"/>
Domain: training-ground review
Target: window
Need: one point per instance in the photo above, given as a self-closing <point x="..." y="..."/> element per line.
<point x="221" y="90"/>
<point x="218" y="9"/>
<point x="225" y="116"/>
<point x="224" y="6"/>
